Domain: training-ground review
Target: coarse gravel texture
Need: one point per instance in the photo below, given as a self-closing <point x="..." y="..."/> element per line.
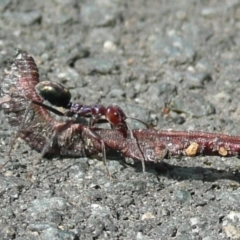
<point x="144" y="56"/>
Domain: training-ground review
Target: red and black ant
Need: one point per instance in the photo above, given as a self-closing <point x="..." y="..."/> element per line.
<point x="59" y="96"/>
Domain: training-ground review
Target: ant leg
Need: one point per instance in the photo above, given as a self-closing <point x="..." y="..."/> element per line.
<point x="96" y="136"/>
<point x="132" y="136"/>
<point x="60" y="128"/>
<point x="21" y="126"/>
<point x="47" y="145"/>
<point x="45" y="148"/>
<point x="148" y="126"/>
<point x="105" y="157"/>
<point x="131" y="133"/>
<point x="51" y="109"/>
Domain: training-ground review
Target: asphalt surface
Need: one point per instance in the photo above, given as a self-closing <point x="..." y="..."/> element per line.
<point x="146" y="56"/>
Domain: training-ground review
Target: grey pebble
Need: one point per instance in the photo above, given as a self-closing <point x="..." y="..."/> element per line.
<point x="77" y="53"/>
<point x="193" y="104"/>
<point x="138" y="112"/>
<point x="95" y="65"/>
<point x="64" y="13"/>
<point x="182" y="196"/>
<point x="7" y="232"/>
<point x="99" y="13"/>
<point x="209" y="238"/>
<point x="140" y="236"/>
<point x="160" y="94"/>
<point x="116" y="93"/>
<point x="56" y="233"/>
<point x="25" y="19"/>
<point x="196" y="80"/>
<point x="166" y="229"/>
<point x="209" y="12"/>
<point x="46" y="205"/>
<point x="173" y="49"/>
<point x="231" y="231"/>
<point x="232" y="198"/>
<point x="99" y="36"/>
<point x="38" y="227"/>
<point x="100" y="211"/>
<point x="12" y="183"/>
<point x="185" y="237"/>
<point x="4" y="4"/>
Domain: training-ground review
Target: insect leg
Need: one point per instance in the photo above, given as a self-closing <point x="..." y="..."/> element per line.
<point x="13" y="140"/>
<point x="96" y="136"/>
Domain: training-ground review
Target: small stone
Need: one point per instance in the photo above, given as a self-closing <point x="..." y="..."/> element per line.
<point x="191" y="151"/>
<point x="172" y="48"/>
<point x="24" y="18"/>
<point x="147" y="215"/>
<point x="56" y="233"/>
<point x="222" y="151"/>
<point x="234" y="216"/>
<point x="194" y="221"/>
<point x="95" y="65"/>
<point x="196" y="80"/>
<point x="209" y="12"/>
<point x="100" y="13"/>
<point x="193" y="104"/>
<point x="7" y="233"/>
<point x="231" y="231"/>
<point x="116" y="93"/>
<point x="4" y="4"/>
<point x="109" y="46"/>
<point x="182" y="195"/>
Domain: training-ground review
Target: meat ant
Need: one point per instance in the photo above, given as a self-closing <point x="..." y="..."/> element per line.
<point x="57" y="95"/>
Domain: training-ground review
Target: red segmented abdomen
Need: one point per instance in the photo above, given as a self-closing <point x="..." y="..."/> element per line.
<point x="19" y="84"/>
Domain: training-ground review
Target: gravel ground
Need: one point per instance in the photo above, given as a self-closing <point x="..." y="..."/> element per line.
<point x="140" y="55"/>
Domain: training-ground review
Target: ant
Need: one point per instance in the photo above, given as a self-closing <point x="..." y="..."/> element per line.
<point x="57" y="95"/>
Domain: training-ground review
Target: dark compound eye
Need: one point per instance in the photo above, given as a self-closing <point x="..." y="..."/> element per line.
<point x="54" y="93"/>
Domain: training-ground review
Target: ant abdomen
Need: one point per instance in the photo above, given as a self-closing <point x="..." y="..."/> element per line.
<point x="54" y="93"/>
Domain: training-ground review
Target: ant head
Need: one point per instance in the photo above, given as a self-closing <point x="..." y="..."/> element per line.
<point x="54" y="93"/>
<point x="115" y="115"/>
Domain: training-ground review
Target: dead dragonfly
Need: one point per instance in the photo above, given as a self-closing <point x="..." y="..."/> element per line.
<point x="76" y="140"/>
<point x="57" y="95"/>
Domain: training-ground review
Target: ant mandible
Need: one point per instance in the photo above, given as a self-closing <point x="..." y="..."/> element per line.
<point x="59" y="96"/>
